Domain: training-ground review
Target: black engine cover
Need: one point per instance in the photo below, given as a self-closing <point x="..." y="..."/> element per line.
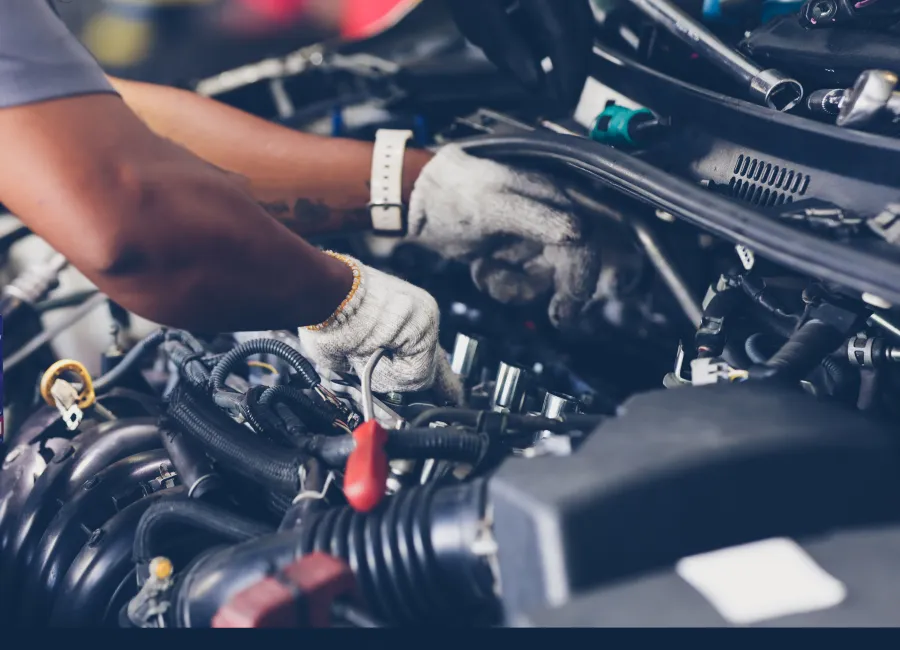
<point x="681" y="472"/>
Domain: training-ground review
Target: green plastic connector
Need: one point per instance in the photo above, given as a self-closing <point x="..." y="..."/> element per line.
<point x="615" y="125"/>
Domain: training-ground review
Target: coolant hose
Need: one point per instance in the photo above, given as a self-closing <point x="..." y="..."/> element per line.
<point x="235" y="447"/>
<point x="194" y="469"/>
<point x="159" y="518"/>
<point x="438" y="443"/>
<point x="408" y="444"/>
<point x="760" y="347"/>
<point x="273" y="347"/>
<point x="802" y="352"/>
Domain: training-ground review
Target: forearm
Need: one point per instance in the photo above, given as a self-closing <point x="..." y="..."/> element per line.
<point x="158" y="230"/>
<point x="210" y="259"/>
<point x="310" y="183"/>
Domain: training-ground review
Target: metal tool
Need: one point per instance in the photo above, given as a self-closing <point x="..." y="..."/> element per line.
<point x="366" y="386"/>
<point x="873" y="98"/>
<point x="826" y="102"/>
<point x="368" y="468"/>
<point x="872" y="352"/>
<point x="830" y="13"/>
<point x="509" y="391"/>
<point x="32" y="285"/>
<point x="463" y="359"/>
<point x="768" y="87"/>
<point x="556" y="406"/>
<point x="49" y="334"/>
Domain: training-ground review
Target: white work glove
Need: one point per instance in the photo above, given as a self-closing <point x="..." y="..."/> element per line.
<point x="383" y="311"/>
<point x="517" y="230"/>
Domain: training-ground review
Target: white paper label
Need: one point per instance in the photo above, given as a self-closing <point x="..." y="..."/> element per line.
<point x="761" y="581"/>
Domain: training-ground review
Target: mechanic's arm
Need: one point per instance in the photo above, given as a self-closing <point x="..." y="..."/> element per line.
<point x="517" y="229"/>
<point x="163" y="233"/>
<point x="310" y="183"/>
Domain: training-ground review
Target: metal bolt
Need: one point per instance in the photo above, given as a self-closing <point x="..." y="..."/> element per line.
<point x="91" y="483"/>
<point x="819" y="11"/>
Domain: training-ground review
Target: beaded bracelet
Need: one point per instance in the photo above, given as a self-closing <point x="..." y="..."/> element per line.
<point x="357" y="280"/>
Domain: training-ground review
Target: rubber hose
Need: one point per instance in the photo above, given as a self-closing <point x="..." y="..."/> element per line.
<point x="263" y="346"/>
<point x="409" y="444"/>
<point x="760" y="347"/>
<point x="161" y="516"/>
<point x="802" y="352"/>
<point x="438" y="443"/>
<point x="412" y="557"/>
<point x="838" y="371"/>
<point x="130" y="361"/>
<point x="253" y="458"/>
<point x="569" y="422"/>
<point x="194" y="469"/>
<point x="290" y="395"/>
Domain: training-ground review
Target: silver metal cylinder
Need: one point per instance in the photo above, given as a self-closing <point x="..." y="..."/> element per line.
<point x="35" y="282"/>
<point x="776" y="90"/>
<point x="557" y="405"/>
<point x="509" y="391"/>
<point x="463" y="358"/>
<point x="826" y="102"/>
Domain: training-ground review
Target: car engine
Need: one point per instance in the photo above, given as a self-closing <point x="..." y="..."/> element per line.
<point x="713" y="444"/>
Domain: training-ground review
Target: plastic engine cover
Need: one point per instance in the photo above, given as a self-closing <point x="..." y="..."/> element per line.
<point x="849" y="578"/>
<point x="682" y="472"/>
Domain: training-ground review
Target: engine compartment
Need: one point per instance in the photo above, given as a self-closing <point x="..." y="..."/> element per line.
<point x="732" y="384"/>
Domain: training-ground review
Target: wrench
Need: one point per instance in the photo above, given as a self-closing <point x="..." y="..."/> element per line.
<point x="768" y="87"/>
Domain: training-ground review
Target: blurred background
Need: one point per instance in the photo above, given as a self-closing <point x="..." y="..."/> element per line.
<point x="176" y="41"/>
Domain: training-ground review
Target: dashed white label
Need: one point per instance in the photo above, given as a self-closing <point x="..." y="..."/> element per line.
<point x="762" y="580"/>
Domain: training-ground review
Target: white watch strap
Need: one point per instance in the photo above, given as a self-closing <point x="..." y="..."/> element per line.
<point x="386" y="204"/>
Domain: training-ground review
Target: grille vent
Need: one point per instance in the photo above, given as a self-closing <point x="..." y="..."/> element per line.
<point x="758" y="182"/>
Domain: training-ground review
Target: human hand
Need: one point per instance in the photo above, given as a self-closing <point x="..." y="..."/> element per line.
<point x="383" y="311"/>
<point x="517" y="229"/>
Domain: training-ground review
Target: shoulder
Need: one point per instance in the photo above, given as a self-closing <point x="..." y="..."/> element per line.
<point x="39" y="58"/>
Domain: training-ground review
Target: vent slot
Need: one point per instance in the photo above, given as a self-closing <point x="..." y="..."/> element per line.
<point x="759" y="182"/>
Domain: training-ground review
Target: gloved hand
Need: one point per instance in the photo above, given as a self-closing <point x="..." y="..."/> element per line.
<point x="383" y="311"/>
<point x="517" y="229"/>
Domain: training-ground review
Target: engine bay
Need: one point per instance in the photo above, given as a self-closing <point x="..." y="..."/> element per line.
<point x="727" y="398"/>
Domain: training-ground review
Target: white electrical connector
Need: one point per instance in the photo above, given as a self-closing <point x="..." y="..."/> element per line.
<point x="709" y="371"/>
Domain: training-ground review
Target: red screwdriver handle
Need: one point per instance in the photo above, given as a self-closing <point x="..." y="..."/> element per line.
<point x="366" y="474"/>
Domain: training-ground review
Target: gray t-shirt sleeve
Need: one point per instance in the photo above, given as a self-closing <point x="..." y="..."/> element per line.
<point x="40" y="59"/>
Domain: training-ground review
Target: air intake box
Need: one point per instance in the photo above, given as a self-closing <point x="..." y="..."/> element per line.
<point x="850" y="578"/>
<point x="682" y="472"/>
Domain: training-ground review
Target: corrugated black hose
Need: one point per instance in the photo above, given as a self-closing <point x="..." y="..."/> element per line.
<point x="235" y="447"/>
<point x="263" y="346"/>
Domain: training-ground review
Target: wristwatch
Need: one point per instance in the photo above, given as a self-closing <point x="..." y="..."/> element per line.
<point x="386" y="200"/>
